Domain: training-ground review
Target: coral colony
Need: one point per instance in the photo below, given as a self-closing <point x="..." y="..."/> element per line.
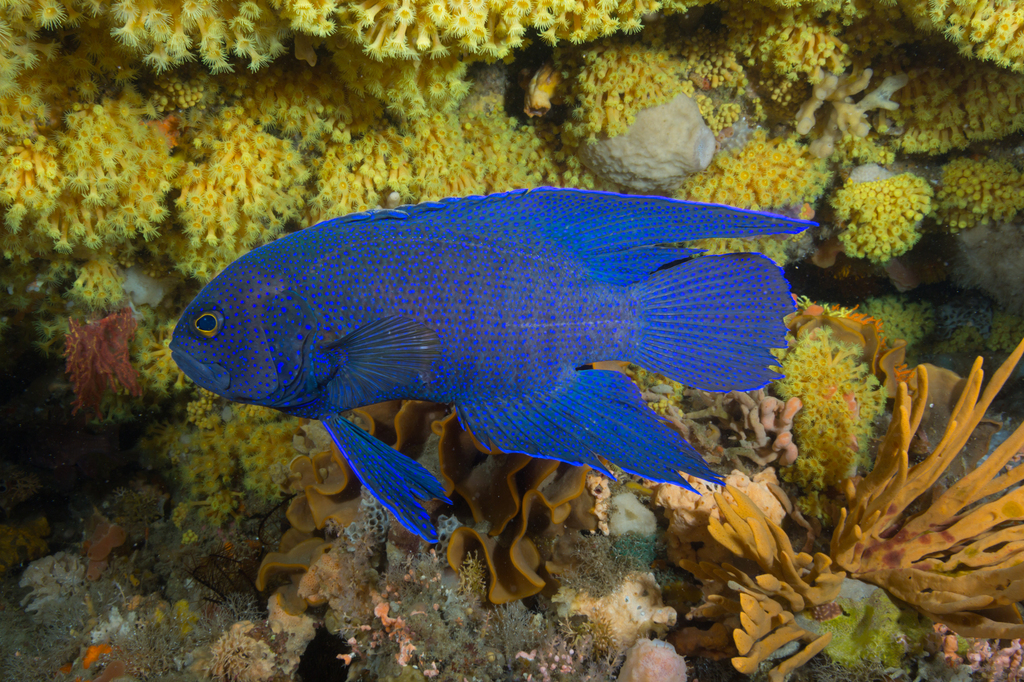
<point x="868" y="523"/>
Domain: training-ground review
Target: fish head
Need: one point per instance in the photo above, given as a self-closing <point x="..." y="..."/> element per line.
<point x="247" y="337"/>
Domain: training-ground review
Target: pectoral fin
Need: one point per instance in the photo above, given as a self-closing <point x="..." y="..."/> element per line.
<point x="379" y="357"/>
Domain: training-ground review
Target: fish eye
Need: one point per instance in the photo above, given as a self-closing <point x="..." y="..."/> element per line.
<point x="208" y="324"/>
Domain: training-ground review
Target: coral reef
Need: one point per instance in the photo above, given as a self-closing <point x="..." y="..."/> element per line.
<point x="146" y="144"/>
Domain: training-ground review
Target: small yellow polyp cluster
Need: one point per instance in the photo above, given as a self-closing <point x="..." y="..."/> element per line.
<point x="29" y="181"/>
<point x="763" y="174"/>
<point x="98" y="285"/>
<point x="241" y="195"/>
<point x="359" y="175"/>
<point x="103" y="182"/>
<point x="881" y="217"/>
<point x="166" y="31"/>
<point x="614" y="81"/>
<point x="979" y="191"/>
<point x="176" y="92"/>
<point x="992" y="30"/>
<point x="407" y="29"/>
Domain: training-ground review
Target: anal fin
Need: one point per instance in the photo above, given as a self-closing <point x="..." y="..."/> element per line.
<point x="586" y="416"/>
<point x="397" y="481"/>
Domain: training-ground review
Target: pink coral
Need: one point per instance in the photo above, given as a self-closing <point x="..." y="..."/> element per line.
<point x="104" y="540"/>
<point x="653" y="661"/>
<point x="97" y="358"/>
<point x="397" y="630"/>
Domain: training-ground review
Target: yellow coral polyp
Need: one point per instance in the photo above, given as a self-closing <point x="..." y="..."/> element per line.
<point x="881" y="217"/>
<point x="990" y="30"/>
<point x="841" y="398"/>
<point x="978" y="191"/>
<point x="249" y="184"/>
<point x="98" y="285"/>
<point x="763" y="174"/>
<point x="613" y="82"/>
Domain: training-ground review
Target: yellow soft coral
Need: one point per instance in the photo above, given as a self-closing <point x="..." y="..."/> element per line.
<point x="992" y="30"/>
<point x="951" y="103"/>
<point x="239" y="194"/>
<point x="151" y="356"/>
<point x="613" y="81"/>
<point x="167" y="33"/>
<point x="116" y="174"/>
<point x="763" y="174"/>
<point x="360" y="175"/>
<point x="228" y="450"/>
<point x="303" y="102"/>
<point x="978" y="191"/>
<point x="901" y="319"/>
<point x="410" y="29"/>
<point x="98" y="285"/>
<point x="408" y="88"/>
<point x="840" y="399"/>
<point x="30" y="178"/>
<point x="791" y="41"/>
<point x="881" y="217"/>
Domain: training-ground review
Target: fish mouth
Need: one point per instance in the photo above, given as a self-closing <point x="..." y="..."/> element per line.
<point x="210" y="376"/>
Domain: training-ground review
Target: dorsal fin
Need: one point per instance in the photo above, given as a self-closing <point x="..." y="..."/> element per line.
<point x="613" y="234"/>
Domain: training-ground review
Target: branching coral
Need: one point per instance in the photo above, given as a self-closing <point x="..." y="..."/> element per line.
<point x="688" y="533"/>
<point x="845" y="116"/>
<point x="752" y="425"/>
<point x="957" y="558"/>
<point x="761" y="608"/>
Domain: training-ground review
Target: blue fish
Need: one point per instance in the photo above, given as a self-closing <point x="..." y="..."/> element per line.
<point x="496" y="305"/>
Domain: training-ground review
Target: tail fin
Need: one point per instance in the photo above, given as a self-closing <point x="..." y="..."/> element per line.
<point x="709" y="322"/>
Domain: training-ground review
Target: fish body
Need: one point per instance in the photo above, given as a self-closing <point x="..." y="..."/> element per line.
<point x="494" y="304"/>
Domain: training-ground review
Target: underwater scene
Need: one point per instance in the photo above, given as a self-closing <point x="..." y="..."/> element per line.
<point x="846" y="407"/>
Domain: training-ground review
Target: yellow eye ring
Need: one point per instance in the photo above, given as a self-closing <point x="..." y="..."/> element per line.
<point x="207" y="324"/>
